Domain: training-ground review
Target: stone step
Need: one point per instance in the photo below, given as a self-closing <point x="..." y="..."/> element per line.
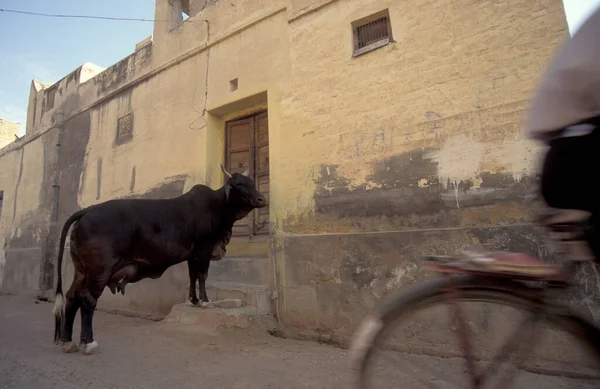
<point x="253" y="271"/>
<point x="212" y="318"/>
<point x="254" y="296"/>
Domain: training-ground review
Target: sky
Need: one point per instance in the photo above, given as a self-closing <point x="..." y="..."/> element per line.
<point x="577" y="11"/>
<point x="47" y="49"/>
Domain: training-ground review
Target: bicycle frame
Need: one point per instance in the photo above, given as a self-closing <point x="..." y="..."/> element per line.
<point x="515" y="273"/>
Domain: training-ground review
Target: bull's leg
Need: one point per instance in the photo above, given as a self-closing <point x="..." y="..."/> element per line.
<point x="71" y="308"/>
<point x="72" y="305"/>
<point x="203" y="265"/>
<point x="87" y="342"/>
<point x="193" y="273"/>
<point x="95" y="284"/>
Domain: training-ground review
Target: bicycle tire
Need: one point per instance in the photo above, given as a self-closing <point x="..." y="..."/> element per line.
<point x="432" y="292"/>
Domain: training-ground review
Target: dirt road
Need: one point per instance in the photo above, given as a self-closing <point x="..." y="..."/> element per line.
<point x="137" y="353"/>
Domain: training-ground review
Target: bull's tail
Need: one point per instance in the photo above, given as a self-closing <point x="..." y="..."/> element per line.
<point x="59" y="301"/>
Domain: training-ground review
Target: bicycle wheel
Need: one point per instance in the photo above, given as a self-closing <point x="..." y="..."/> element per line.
<point x="555" y="365"/>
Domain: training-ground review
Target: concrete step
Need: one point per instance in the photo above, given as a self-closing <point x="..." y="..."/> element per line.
<point x="253" y="271"/>
<point x="212" y="318"/>
<point x="254" y="296"/>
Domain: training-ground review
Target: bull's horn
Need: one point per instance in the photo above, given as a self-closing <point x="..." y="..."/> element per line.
<point x="246" y="172"/>
<point x="225" y="171"/>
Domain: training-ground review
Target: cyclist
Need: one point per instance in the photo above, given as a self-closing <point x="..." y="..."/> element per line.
<point x="565" y="115"/>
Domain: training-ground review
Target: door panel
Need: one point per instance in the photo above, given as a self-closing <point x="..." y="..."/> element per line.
<point x="262" y="215"/>
<point x="238" y="157"/>
<point x="261" y="161"/>
<point x="239" y="161"/>
<point x="247" y="146"/>
<point x="239" y="134"/>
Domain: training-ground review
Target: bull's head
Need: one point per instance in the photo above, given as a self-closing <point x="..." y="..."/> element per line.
<point x="241" y="193"/>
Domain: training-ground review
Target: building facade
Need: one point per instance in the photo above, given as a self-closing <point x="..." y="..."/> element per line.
<point x="8" y="132"/>
<point x="379" y="130"/>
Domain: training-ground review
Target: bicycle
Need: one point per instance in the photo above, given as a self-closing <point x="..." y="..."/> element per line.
<point x="512" y="280"/>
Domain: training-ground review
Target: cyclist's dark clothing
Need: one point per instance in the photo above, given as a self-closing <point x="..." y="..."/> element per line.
<point x="568" y="179"/>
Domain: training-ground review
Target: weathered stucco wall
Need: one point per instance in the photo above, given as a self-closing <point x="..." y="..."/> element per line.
<point x="8" y="130"/>
<point x="412" y="149"/>
<point x="24" y="218"/>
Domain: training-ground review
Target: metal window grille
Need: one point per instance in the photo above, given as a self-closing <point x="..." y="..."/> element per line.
<point x="124" y="126"/>
<point x="372" y="32"/>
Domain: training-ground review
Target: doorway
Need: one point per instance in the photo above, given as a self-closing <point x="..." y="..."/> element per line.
<point x="247" y="146"/>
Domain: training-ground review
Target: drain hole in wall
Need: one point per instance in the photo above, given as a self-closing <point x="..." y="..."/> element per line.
<point x="233" y="85"/>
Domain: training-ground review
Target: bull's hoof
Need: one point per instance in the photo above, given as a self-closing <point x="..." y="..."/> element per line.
<point x="88" y="348"/>
<point x="205" y="304"/>
<point x="69" y="347"/>
<point x="112" y="288"/>
<point x="121" y="288"/>
<point x="193" y="300"/>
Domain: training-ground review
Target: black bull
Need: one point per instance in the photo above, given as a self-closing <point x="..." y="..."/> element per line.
<point x="124" y="241"/>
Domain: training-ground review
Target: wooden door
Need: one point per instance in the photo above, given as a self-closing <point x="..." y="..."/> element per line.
<point x="247" y="146"/>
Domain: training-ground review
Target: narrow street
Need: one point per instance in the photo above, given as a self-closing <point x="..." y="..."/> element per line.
<point x="136" y="353"/>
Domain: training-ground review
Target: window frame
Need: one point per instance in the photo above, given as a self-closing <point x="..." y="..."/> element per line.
<point x="356" y="51"/>
<point x="119" y="140"/>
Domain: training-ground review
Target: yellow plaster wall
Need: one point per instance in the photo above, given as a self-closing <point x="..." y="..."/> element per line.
<point x="166" y="139"/>
<point x="452" y="86"/>
<point x="454" y="82"/>
<point x="21" y="220"/>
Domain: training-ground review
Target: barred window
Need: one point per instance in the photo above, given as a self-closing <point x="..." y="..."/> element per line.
<point x="124" y="128"/>
<point x="371" y="33"/>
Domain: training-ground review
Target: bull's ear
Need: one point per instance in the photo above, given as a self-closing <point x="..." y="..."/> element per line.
<point x="227" y="190"/>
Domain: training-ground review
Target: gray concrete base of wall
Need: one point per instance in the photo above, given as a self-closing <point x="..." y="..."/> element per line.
<point x="22" y="269"/>
<point x="213" y="318"/>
